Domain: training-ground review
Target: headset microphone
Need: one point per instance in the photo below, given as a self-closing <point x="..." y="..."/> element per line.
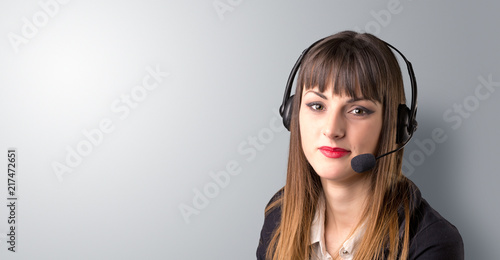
<point x="363" y="162"/>
<point x="406" y="123"/>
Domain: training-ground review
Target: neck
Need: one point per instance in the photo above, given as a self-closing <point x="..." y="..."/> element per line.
<point x="345" y="204"/>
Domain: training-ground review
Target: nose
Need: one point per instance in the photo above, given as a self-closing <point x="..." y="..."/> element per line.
<point x="334" y="126"/>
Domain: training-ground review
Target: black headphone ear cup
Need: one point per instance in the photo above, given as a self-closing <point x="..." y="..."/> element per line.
<point x="287" y="112"/>
<point x="403" y="133"/>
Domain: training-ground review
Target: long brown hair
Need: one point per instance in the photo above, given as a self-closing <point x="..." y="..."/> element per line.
<point x="350" y="63"/>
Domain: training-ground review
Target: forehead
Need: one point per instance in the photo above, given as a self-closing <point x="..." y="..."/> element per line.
<point x="331" y="91"/>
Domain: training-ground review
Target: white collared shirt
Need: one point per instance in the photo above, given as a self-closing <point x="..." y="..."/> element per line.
<point x="319" y="252"/>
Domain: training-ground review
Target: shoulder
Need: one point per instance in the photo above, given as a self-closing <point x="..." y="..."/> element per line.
<point x="271" y="222"/>
<point x="432" y="236"/>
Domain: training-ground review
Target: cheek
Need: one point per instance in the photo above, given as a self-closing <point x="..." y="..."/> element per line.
<point x="304" y="131"/>
<point x="374" y="135"/>
<point x="307" y="134"/>
<point x="373" y="142"/>
<point x="365" y="137"/>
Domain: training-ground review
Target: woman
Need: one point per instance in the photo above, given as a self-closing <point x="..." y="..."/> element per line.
<point x="347" y="103"/>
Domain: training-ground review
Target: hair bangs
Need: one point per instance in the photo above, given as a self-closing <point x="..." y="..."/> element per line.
<point x="346" y="68"/>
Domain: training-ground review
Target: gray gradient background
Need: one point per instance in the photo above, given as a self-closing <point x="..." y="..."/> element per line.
<point x="226" y="78"/>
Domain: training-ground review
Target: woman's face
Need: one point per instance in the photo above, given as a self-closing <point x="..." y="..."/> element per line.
<point x="334" y="129"/>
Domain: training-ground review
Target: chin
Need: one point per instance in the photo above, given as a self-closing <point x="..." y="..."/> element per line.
<point x="335" y="173"/>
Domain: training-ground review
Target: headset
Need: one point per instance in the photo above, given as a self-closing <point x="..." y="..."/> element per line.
<point x="406" y="122"/>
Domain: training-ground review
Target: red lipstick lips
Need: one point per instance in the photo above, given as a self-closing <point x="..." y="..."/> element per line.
<point x="333" y="152"/>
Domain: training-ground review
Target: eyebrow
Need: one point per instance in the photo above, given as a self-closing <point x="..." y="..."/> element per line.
<point x="317" y="93"/>
<point x="354" y="99"/>
<point x="351" y="100"/>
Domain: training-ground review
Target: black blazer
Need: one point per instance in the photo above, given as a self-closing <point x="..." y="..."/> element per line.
<point x="432" y="237"/>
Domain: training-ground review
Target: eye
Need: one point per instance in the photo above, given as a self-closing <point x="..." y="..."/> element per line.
<point x="360" y="111"/>
<point x="316" y="106"/>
